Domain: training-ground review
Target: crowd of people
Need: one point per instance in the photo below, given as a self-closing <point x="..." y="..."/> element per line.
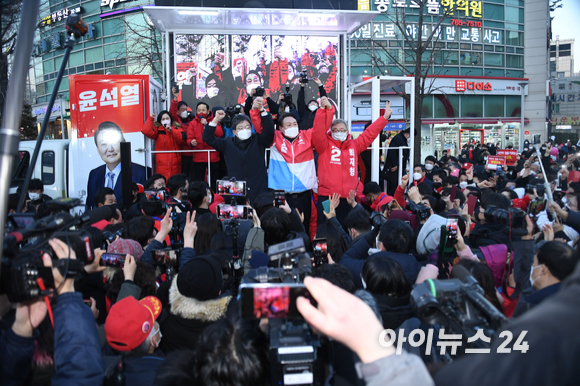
<point x="159" y="323"/>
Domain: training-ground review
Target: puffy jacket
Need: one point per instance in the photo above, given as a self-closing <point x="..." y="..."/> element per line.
<point x="184" y="124"/>
<point x="15" y="357"/>
<point x="77" y="354"/>
<point x="195" y="131"/>
<point x="292" y="165"/>
<point x="338" y="161"/>
<point x="167" y="164"/>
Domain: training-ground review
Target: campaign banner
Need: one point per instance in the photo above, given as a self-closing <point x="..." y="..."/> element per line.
<point x="511" y="156"/>
<point x="105" y="111"/>
<point x="495" y="162"/>
<point x="221" y="70"/>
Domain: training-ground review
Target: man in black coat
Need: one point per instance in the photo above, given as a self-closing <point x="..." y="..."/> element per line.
<point x="391" y="170"/>
<point x="245" y="152"/>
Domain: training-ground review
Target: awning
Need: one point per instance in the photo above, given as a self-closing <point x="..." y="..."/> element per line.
<point x="515" y="120"/>
<point x="478" y="121"/>
<point x="205" y="20"/>
<point x="437" y="121"/>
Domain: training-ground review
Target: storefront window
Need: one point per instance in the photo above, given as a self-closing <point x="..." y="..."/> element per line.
<point x="494" y="60"/>
<point x="446" y="137"/>
<point x="494" y="106"/>
<point x="516" y="61"/>
<point x="446" y="106"/>
<point x="513" y="106"/>
<point x="471" y="106"/>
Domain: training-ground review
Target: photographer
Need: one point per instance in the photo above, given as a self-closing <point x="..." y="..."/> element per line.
<point x="168" y="136"/>
<point x="486" y="231"/>
<point x="307" y="111"/>
<point x="178" y="186"/>
<point x="245" y="152"/>
<point x="77" y="355"/>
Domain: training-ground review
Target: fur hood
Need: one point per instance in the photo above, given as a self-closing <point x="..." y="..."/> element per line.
<point x="175" y="124"/>
<point x="191" y="308"/>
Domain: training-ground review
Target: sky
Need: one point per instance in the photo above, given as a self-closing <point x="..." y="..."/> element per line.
<point x="566" y="25"/>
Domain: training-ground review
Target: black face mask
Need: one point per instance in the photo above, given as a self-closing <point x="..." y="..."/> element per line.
<point x="437" y="185"/>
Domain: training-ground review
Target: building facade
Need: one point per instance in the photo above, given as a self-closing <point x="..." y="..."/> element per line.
<point x="562" y="58"/>
<point x="479" y="54"/>
<point x="119" y="41"/>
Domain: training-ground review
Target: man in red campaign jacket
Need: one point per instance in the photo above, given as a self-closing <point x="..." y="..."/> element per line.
<point x="338" y="155"/>
<point x="194" y="139"/>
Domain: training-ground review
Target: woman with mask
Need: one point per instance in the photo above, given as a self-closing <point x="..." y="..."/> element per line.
<point x="307" y="111"/>
<point x="244" y="153"/>
<point x="338" y="155"/>
<point x="168" y="136"/>
<point x="194" y="138"/>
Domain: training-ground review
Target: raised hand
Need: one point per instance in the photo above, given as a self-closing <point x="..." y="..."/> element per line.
<point x="388" y="111"/>
<point x="258" y="103"/>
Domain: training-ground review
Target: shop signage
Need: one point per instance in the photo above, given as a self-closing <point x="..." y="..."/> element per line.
<point x="42" y="110"/>
<point x="526" y="133"/>
<point x="463" y="85"/>
<point x="566" y="97"/>
<point x="511" y="156"/>
<point x="495" y="162"/>
<point x="477" y="86"/>
<point x="574" y="121"/>
<point x="112" y="3"/>
<point x="458" y="8"/>
<point x="58" y="16"/>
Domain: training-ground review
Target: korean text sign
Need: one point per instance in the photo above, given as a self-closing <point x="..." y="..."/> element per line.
<point x="511" y="156"/>
<point x="495" y="162"/>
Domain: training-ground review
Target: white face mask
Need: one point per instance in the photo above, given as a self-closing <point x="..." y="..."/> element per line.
<point x="291" y="132"/>
<point x="212" y="92"/>
<point x="339" y="136"/>
<point x="313" y="108"/>
<point x="244" y="134"/>
<point x="209" y="199"/>
<point x="287" y="109"/>
<point x="165" y="122"/>
<point x="429" y="166"/>
<point x="417" y="176"/>
<point x="34" y="196"/>
<point x="184" y="114"/>
<point x="463" y="184"/>
<point x="485" y="158"/>
<point x="532" y="281"/>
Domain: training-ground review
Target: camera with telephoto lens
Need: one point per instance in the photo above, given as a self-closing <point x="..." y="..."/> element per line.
<point x="24" y="276"/>
<point x="295" y="350"/>
<point x="377" y="219"/>
<point x="109" y="237"/>
<point x="304" y="77"/>
<point x="231" y="112"/>
<point x="513" y="217"/>
<point x="288" y="96"/>
<point x="259" y="91"/>
<point x="421" y="210"/>
<point x="458" y="305"/>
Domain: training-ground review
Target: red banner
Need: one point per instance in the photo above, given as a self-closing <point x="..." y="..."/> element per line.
<point x="495" y="162"/>
<point x="95" y="99"/>
<point x="511" y="156"/>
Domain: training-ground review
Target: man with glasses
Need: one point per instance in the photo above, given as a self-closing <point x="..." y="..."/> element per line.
<point x="338" y="155"/>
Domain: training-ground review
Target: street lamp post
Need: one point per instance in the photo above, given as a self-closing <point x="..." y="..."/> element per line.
<point x="61" y="115"/>
<point x="521" y="144"/>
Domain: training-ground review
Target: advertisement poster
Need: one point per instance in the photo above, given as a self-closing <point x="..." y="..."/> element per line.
<point x="221" y="69"/>
<point x="104" y="112"/>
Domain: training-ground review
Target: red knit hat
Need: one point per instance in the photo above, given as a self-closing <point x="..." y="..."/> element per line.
<point x="130" y="322"/>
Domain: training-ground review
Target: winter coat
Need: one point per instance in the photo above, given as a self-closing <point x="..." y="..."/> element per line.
<point x="394" y="310"/>
<point x="338" y="161"/>
<point x="398" y="140"/>
<point x="15" y="357"/>
<point x="167" y="164"/>
<point x="77" y="354"/>
<point x="184" y="124"/>
<point x="530" y="298"/>
<point x="189" y="317"/>
<point x="489" y="234"/>
<point x="195" y="131"/>
<point x="246" y="163"/>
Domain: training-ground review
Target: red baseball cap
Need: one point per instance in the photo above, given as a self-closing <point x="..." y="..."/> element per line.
<point x="467" y="166"/>
<point x="130" y="322"/>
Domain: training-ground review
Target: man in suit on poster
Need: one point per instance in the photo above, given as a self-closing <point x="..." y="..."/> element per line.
<point x="108" y="138"/>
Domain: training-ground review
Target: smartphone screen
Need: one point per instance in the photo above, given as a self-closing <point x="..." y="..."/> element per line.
<point x="451" y="228"/>
<point x="537" y="206"/>
<point x="233" y="188"/>
<point x="229" y="212"/>
<point x="155" y="195"/>
<point x="453" y="193"/>
<point x="21" y="220"/>
<point x="471" y="203"/>
<point x="279" y="198"/>
<point x="88" y="302"/>
<point x="326" y="206"/>
<point x="320" y="252"/>
<point x="113" y="260"/>
<point x="273" y="301"/>
<point x="164" y="256"/>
